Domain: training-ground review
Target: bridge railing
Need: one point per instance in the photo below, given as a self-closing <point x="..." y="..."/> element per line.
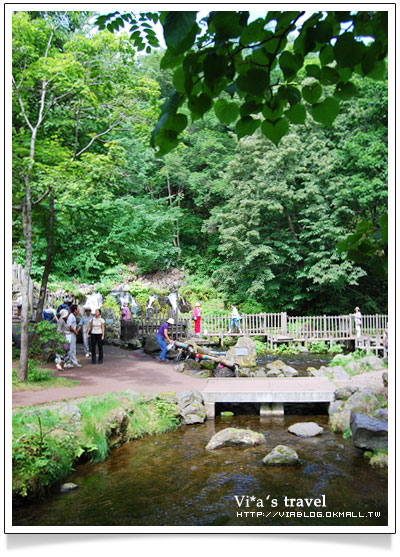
<point x="297" y="327"/>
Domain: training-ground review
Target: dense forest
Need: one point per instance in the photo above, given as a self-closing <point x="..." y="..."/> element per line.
<point x="257" y="222"/>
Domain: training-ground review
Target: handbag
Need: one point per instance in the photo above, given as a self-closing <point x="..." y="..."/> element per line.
<point x="66" y="346"/>
<point x="194" y="317"/>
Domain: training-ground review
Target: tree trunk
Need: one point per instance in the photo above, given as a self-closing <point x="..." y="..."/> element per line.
<point x="49" y="260"/>
<point x="27" y="224"/>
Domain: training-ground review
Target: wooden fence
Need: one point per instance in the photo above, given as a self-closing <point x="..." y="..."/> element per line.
<point x="152" y="321"/>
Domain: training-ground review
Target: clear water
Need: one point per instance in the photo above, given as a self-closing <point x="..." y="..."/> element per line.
<point x="170" y="479"/>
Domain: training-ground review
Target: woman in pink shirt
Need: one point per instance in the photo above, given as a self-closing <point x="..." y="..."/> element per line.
<point x="197" y="318"/>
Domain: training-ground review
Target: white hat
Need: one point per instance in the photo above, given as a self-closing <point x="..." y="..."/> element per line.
<point x="63" y="313"/>
<point x="197" y="304"/>
<point x="171" y="321"/>
<point x="85" y="308"/>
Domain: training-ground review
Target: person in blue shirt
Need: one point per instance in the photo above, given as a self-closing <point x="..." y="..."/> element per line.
<point x="162" y="338"/>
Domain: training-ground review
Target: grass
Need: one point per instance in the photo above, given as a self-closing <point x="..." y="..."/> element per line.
<point x="39" y="378"/>
<point x="47" y="443"/>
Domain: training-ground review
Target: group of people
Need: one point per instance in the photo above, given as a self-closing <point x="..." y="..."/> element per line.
<point x="93" y="330"/>
<point x="196" y="316"/>
<point x="163" y="337"/>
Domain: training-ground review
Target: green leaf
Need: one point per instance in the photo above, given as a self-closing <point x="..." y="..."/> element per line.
<point x="226" y="112"/>
<point x="200" y="104"/>
<point x="166" y="141"/>
<point x="215" y="67"/>
<point x="296" y="114"/>
<point x="348" y="52"/>
<point x="260" y="55"/>
<point x="311" y="93"/>
<point x="345" y="91"/>
<point x="326" y="55"/>
<point x="178" y="80"/>
<point x="275" y="130"/>
<point x="250" y="107"/>
<point x="180" y="31"/>
<point x="273" y="109"/>
<point x="253" y="33"/>
<point x="326" y="111"/>
<point x="254" y="82"/>
<point x="329" y="76"/>
<point x="171" y="104"/>
<point x="383" y="223"/>
<point x="312" y="70"/>
<point x="322" y="32"/>
<point x="175" y="122"/>
<point x="228" y="25"/>
<point x="345" y="73"/>
<point x="290" y="93"/>
<point x="246" y="126"/>
<point x="290" y="63"/>
<point x="379" y="71"/>
<point x="170" y="60"/>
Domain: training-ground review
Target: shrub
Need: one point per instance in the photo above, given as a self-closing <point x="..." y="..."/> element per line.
<point x="318" y="347"/>
<point x="45" y="341"/>
<point x="261" y="347"/>
<point x="111" y="303"/>
<point x="335" y="348"/>
<point x="36" y="374"/>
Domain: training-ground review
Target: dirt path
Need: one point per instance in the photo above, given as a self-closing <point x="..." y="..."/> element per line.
<point x="120" y="371"/>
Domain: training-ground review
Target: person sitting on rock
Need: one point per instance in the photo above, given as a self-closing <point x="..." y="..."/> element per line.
<point x="162" y="338"/>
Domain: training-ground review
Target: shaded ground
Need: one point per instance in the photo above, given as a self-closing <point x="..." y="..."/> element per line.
<point x="120" y="371"/>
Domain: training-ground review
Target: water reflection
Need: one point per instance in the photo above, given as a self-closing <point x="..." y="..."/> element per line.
<point x="171" y="479"/>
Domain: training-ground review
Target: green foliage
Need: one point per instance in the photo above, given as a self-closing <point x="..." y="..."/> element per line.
<point x="335" y="348"/>
<point x="45" y="341"/>
<point x="318" y="347"/>
<point x="39" y="456"/>
<point x="283" y="348"/>
<point x="261" y="347"/>
<point x="347" y="433"/>
<point x="111" y="303"/>
<point x="250" y="60"/>
<point x="35" y="373"/>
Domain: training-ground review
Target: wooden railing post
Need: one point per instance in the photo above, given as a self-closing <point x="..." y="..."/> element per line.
<point x="284" y="323"/>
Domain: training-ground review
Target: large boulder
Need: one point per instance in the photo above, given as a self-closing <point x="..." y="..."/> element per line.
<point x="116" y="424"/>
<point x="280" y="369"/>
<point x="191" y="407"/>
<point x="364" y="402"/>
<point x="151" y="346"/>
<point x="371" y="362"/>
<point x="223" y="372"/>
<point x="244" y="353"/>
<point x="368" y="433"/>
<point x="305" y="429"/>
<point x="345" y="392"/>
<point x="235" y="437"/>
<point x="112" y="324"/>
<point x="281" y="455"/>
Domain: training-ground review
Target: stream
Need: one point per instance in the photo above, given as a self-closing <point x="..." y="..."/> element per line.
<point x="171" y="480"/>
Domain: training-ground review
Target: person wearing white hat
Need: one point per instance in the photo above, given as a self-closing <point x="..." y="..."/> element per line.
<point x="63" y="329"/>
<point x="162" y="338"/>
<point x="84" y="325"/>
<point x="358" y="321"/>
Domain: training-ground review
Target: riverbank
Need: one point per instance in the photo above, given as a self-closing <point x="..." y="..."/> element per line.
<point x="48" y="441"/>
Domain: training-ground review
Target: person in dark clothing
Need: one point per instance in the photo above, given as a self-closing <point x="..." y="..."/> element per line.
<point x="96" y="331"/>
<point x="162" y="338"/>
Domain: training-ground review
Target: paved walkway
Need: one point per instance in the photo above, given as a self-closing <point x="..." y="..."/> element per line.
<point x="121" y="371"/>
